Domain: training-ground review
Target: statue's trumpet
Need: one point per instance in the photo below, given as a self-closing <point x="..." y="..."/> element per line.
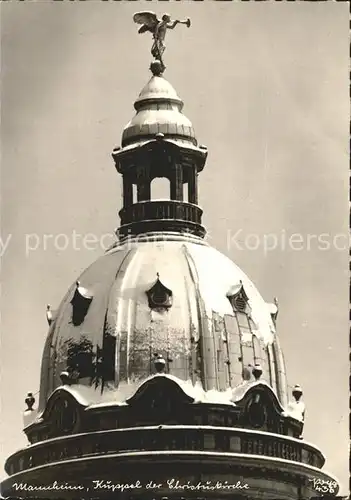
<point x="187" y="22"/>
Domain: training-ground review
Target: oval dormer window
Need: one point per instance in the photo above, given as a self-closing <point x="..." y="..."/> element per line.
<point x="240" y="303"/>
<point x="239" y="299"/>
<point x="159" y="298"/>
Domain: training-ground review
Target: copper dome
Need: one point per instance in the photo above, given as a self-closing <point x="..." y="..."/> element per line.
<point x="190" y="322"/>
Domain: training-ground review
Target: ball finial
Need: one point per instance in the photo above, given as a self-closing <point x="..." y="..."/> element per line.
<point x="297" y="392"/>
<point x="159" y="363"/>
<point x="257" y="371"/>
<point x="65" y="377"/>
<point x="157" y="68"/>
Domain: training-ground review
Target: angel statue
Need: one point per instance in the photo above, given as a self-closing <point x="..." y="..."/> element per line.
<point x="158" y="28"/>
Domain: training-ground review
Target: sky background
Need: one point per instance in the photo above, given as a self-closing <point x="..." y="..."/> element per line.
<point x="266" y="87"/>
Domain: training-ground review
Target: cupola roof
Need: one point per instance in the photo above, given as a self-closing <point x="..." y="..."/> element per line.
<point x="158" y="111"/>
<point x="158" y="89"/>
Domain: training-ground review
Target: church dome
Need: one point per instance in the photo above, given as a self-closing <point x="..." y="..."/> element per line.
<point x="157" y="295"/>
<point x="163" y="353"/>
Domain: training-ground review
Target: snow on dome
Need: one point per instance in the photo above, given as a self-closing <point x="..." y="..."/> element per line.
<point x="120" y="332"/>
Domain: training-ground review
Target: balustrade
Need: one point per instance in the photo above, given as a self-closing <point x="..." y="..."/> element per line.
<point x="168" y="438"/>
<point x="162" y="209"/>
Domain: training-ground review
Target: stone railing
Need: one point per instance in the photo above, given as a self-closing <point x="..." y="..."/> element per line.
<point x="185" y="438"/>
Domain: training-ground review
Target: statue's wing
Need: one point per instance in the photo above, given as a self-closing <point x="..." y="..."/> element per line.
<point x="144" y="28"/>
<point x="149" y="19"/>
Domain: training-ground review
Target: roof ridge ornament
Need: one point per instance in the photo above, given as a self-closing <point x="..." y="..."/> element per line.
<point x="274" y="310"/>
<point x="158" y="27"/>
<point x="49" y="314"/>
<point x="30" y="400"/>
